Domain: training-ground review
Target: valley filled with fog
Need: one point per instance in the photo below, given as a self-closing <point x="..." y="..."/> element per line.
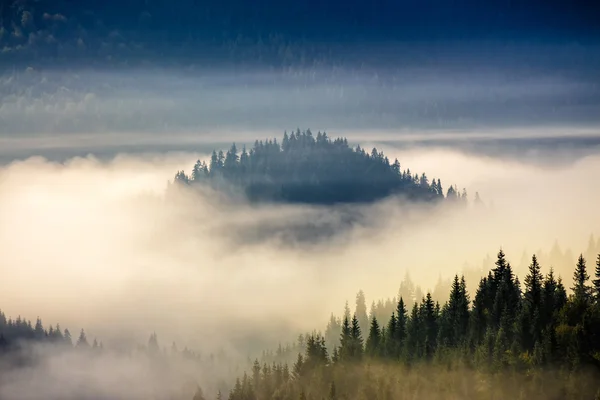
<point x="94" y="235"/>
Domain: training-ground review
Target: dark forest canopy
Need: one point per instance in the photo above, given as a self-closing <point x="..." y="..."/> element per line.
<point x="314" y="170"/>
<point x="531" y="334"/>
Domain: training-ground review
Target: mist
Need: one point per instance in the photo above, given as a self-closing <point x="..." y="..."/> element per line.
<point x="102" y="240"/>
<point x="93" y="236"/>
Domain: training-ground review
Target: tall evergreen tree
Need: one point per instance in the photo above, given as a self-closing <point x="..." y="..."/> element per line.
<point x="361" y="311"/>
<point x="345" y="351"/>
<point x="82" y="340"/>
<point x="357" y="340"/>
<point x="412" y="346"/>
<point x="430" y="325"/>
<point x="581" y="290"/>
<point x="401" y="325"/>
<point x="373" y="345"/>
<point x="391" y="347"/>
<point x="596" y="281"/>
<point x="531" y="321"/>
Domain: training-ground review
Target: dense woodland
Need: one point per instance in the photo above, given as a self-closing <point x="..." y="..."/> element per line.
<point x="316" y="170"/>
<point x="509" y="339"/>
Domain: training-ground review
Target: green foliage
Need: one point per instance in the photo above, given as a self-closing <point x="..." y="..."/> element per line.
<point x="535" y="344"/>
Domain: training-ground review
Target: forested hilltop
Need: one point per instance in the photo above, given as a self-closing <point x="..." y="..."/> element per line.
<point x="530" y="341"/>
<point x="314" y="170"/>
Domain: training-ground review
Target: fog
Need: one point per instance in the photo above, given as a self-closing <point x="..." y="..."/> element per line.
<point x="91" y="238"/>
<point x="101" y="240"/>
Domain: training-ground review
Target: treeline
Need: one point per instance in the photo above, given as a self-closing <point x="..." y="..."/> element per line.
<point x="532" y="335"/>
<point x="16" y="332"/>
<point x="315" y="169"/>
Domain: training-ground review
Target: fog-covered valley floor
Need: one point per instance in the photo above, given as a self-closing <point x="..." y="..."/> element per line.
<point x="91" y="237"/>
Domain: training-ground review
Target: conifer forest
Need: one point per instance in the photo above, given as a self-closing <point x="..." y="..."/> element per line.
<point x="299" y="200"/>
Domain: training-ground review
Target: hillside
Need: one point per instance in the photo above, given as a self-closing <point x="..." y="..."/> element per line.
<point x="314" y="170"/>
<point x="505" y="340"/>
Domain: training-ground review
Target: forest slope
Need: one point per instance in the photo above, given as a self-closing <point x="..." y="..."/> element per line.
<point x="314" y="170"/>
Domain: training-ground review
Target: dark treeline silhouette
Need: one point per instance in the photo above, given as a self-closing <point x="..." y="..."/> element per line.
<point x="530" y="339"/>
<point x="314" y="169"/>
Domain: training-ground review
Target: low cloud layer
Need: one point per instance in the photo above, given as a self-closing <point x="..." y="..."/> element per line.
<point x="98" y="245"/>
<point x="97" y="242"/>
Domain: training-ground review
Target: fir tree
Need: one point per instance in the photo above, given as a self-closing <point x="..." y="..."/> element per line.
<point x="531" y="314"/>
<point x="345" y="351"/>
<point x="581" y="291"/>
<point x="373" y="345"/>
<point x="390" y="337"/>
<point x="82" y="340"/>
<point x="357" y="340"/>
<point x="361" y="311"/>
<point x="596" y="282"/>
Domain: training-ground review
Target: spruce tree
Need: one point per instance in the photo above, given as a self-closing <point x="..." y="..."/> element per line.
<point x="412" y="347"/>
<point x="345" y="351"/>
<point x="463" y="311"/>
<point x="478" y="320"/>
<point x="373" y="345"/>
<point x="581" y="291"/>
<point x="357" y="340"/>
<point x="82" y="341"/>
<point x="390" y="337"/>
<point x="531" y="318"/>
<point x="596" y="282"/>
<point x="401" y="325"/>
<point x="456" y="313"/>
<point x="430" y="325"/>
<point x="361" y="311"/>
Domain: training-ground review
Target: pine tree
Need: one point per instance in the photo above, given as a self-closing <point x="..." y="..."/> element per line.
<point x="82" y="341"/>
<point x="596" y="282"/>
<point x="256" y="374"/>
<point x="414" y="330"/>
<point x="401" y="324"/>
<point x="581" y="291"/>
<point x="67" y="338"/>
<point x="345" y="351"/>
<point x="298" y="366"/>
<point x="361" y="311"/>
<point x="389" y="338"/>
<point x="531" y="319"/>
<point x="197" y="171"/>
<point x="335" y="357"/>
<point x="463" y="311"/>
<point x="373" y="345"/>
<point x="478" y="319"/>
<point x="357" y="340"/>
<point x="430" y="325"/>
<point x="457" y="313"/>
